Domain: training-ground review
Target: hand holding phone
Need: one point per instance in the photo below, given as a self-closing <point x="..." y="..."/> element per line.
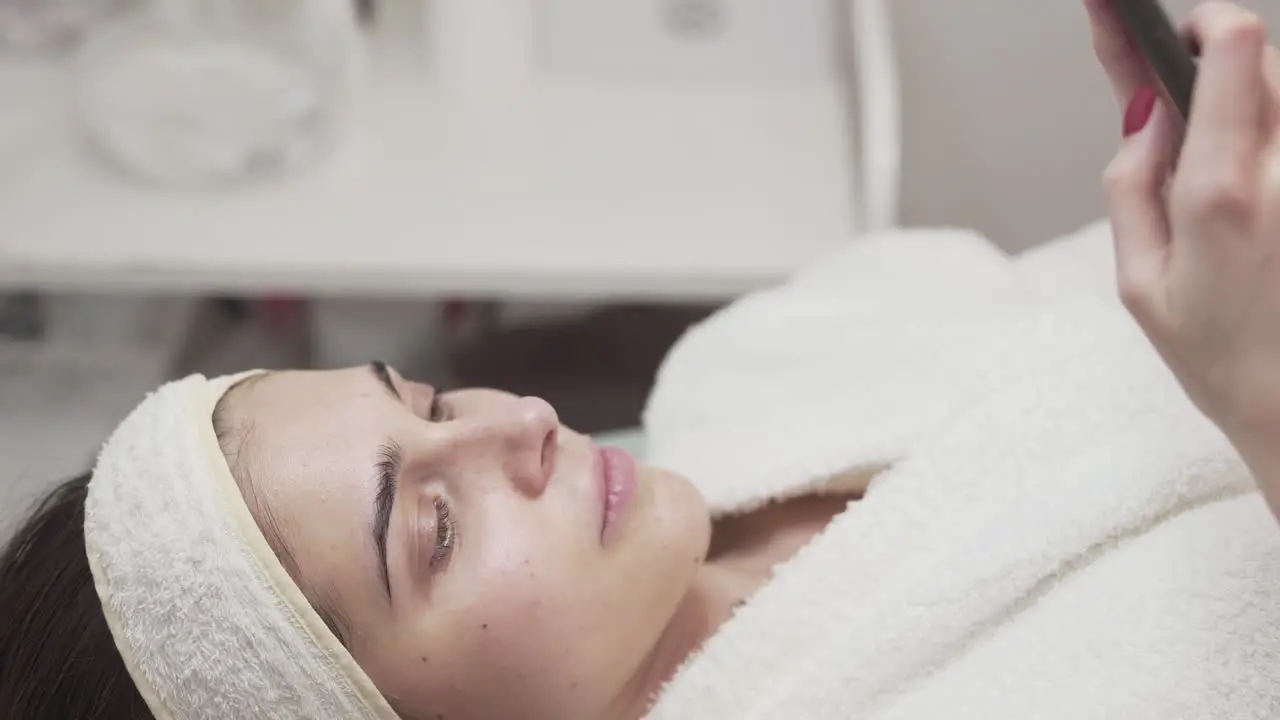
<point x="1167" y="52"/>
<point x="1195" y="212"/>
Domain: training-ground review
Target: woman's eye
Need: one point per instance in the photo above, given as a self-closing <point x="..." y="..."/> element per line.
<point x="446" y="535"/>
<point x="439" y="410"/>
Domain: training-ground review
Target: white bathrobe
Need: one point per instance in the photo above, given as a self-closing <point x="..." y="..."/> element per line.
<point x="1055" y="532"/>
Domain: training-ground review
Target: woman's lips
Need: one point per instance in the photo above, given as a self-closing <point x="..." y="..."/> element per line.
<point x="617" y="475"/>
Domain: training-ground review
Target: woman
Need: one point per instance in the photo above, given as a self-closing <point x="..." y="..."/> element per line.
<point x="463" y="555"/>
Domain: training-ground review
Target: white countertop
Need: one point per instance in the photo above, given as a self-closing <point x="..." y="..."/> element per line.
<point x="558" y="193"/>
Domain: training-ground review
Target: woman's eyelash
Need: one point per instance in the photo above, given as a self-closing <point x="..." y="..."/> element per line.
<point x="439" y="410"/>
<point x="446" y="535"/>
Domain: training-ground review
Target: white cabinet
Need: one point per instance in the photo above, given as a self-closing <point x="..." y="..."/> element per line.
<point x="709" y="43"/>
<point x="661" y="152"/>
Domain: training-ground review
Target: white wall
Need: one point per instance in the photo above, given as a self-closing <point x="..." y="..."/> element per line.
<point x="1009" y="120"/>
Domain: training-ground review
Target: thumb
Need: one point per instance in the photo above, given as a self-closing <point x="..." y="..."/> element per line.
<point x="1135" y="188"/>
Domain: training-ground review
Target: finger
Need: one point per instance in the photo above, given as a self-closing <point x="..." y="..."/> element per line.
<point x="1126" y="67"/>
<point x="1271" y="63"/>
<point x="1272" y="67"/>
<point x="1270" y="200"/>
<point x="1134" y="182"/>
<point x="1226" y="131"/>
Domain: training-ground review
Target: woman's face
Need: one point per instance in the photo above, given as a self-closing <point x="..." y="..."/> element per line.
<point x="497" y="591"/>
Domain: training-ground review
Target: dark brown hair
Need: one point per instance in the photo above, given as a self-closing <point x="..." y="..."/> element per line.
<point x="58" y="660"/>
<point x="57" y="657"/>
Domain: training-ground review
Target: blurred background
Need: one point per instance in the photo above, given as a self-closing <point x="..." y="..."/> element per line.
<point x="537" y="195"/>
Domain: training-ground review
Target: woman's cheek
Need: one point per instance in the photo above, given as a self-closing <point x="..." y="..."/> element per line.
<point x="512" y="589"/>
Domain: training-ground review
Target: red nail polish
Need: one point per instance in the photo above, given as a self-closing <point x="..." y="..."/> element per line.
<point x="1139" y="111"/>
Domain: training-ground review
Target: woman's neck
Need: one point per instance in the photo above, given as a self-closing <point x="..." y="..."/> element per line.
<point x="715" y="593"/>
<point x="744" y="552"/>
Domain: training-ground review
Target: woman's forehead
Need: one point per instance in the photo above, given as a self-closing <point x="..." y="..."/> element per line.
<point x="306" y="389"/>
<point x="310" y="457"/>
<point x="315" y="427"/>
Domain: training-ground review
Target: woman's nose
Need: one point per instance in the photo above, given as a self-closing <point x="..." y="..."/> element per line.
<point x="530" y="433"/>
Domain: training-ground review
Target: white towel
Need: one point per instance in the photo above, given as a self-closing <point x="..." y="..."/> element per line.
<point x="1058" y="534"/>
<point x="207" y="621"/>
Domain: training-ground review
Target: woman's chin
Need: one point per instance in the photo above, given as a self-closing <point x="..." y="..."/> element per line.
<point x="675" y="510"/>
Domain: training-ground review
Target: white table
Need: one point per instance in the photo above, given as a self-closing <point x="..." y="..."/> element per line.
<point x="558" y="193"/>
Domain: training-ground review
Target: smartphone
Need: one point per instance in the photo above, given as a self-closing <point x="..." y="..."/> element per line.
<point x="1164" y="48"/>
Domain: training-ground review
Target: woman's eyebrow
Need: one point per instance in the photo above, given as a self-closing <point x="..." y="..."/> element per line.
<point x="390" y="459"/>
<point x="383" y="374"/>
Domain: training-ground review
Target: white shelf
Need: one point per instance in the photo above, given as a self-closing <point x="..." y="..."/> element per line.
<point x="560" y="193"/>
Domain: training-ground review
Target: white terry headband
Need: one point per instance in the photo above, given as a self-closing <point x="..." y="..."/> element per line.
<point x="209" y="623"/>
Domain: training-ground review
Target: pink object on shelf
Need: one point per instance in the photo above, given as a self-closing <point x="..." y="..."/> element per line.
<point x="282" y="310"/>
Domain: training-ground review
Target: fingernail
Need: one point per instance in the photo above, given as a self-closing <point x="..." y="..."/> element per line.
<point x="1139" y="111"/>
